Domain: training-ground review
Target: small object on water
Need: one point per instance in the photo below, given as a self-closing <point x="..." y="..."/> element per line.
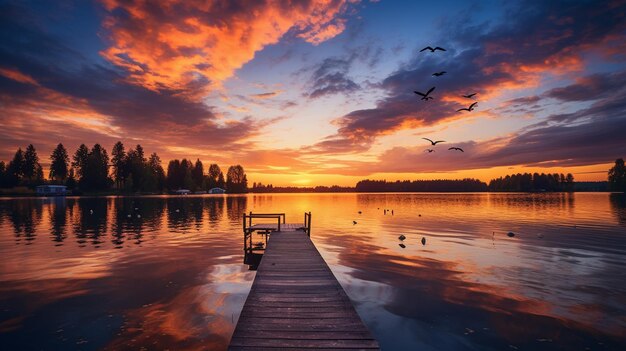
<point x="128" y="216"/>
<point x="177" y="210"/>
<point x="392" y="212"/>
<point x="540" y="235"/>
<point x="510" y="234"/>
<point x="402" y="237"/>
<point x="90" y="211"/>
<point x="360" y="212"/>
<point x="138" y="216"/>
<point x="136" y="208"/>
<point x="402" y="245"/>
<point x="423" y="241"/>
<point x="419" y="215"/>
<point x="353" y="222"/>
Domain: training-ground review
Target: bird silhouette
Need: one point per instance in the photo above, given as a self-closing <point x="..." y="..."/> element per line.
<point x="469" y="96"/>
<point x="425" y="96"/>
<point x="423" y="241"/>
<point x="402" y="246"/>
<point x="429" y="150"/>
<point x="437" y="74"/>
<point x="434" y="142"/>
<point x="353" y="222"/>
<point x="402" y="237"/>
<point x="456" y="148"/>
<point x="470" y="108"/>
<point x="433" y="50"/>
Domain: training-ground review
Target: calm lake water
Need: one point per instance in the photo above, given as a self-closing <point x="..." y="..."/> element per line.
<point x="167" y="272"/>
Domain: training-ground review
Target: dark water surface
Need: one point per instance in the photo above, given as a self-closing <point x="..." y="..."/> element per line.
<point x="167" y="272"/>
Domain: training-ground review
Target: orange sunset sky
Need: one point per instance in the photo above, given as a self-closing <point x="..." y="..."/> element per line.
<point x="322" y="92"/>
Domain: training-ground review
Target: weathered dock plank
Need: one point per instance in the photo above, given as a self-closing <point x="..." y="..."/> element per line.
<point x="297" y="303"/>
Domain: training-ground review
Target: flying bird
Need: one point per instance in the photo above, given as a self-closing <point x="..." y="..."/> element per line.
<point x="434" y="142"/>
<point x="456" y="148"/>
<point x="469" y="109"/>
<point x="469" y="96"/>
<point x="429" y="150"/>
<point x="433" y="50"/>
<point x="425" y="96"/>
<point x="437" y="74"/>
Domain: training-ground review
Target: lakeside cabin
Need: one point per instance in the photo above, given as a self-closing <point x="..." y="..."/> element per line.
<point x="51" y="190"/>
<point x="217" y="191"/>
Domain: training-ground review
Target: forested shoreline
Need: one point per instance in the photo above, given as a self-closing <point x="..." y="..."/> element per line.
<point x="131" y="172"/>
<point x="126" y="171"/>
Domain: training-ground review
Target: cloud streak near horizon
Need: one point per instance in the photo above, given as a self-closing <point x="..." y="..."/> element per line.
<point x="325" y="81"/>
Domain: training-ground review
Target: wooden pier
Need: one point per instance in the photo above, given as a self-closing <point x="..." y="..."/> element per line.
<point x="295" y="301"/>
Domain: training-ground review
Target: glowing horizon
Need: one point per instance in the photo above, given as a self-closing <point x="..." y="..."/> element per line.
<point x="321" y="93"/>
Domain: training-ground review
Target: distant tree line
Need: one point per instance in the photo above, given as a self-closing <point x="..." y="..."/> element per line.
<point x="533" y="182"/>
<point x="439" y="185"/>
<point x="126" y="171"/>
<point x="260" y="188"/>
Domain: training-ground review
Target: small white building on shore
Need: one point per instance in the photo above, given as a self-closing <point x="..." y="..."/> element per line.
<point x="217" y="191"/>
<point x="51" y="190"/>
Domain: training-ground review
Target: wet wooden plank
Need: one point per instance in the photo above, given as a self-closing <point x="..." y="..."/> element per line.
<point x="297" y="303"/>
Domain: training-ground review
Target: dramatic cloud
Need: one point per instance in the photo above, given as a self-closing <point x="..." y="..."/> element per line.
<point x="330" y="77"/>
<point x="535" y="38"/>
<point x="590" y="136"/>
<point x="71" y="99"/>
<point x="590" y="87"/>
<point x="186" y="45"/>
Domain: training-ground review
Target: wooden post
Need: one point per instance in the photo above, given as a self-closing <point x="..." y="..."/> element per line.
<point x="244" y="232"/>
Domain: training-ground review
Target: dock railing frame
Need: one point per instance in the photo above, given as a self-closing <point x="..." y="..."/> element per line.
<point x="280" y="219"/>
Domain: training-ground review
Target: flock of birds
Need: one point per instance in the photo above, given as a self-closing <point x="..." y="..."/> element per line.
<point x="426" y="96"/>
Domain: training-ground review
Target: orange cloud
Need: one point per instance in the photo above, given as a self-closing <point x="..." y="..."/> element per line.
<point x="189" y="45"/>
<point x="18" y="76"/>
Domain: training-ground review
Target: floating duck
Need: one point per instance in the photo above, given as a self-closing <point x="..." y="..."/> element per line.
<point x="360" y="212"/>
<point x="177" y="210"/>
<point x="128" y="216"/>
<point x="402" y="245"/>
<point x="423" y="241"/>
<point x="138" y="216"/>
<point x="90" y="211"/>
<point x="353" y="222"/>
<point x="510" y="234"/>
<point x="402" y="237"/>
